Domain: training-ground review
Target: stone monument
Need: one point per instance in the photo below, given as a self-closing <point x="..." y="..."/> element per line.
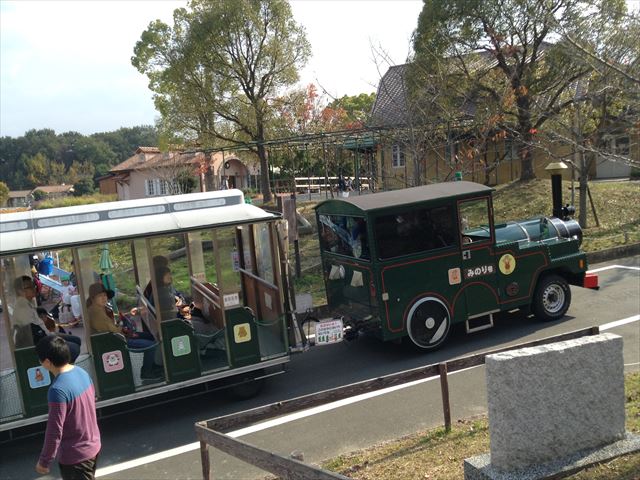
<point x="554" y="409"/>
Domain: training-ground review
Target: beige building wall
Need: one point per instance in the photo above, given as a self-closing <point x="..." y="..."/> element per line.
<point x="134" y="187"/>
<point x="437" y="169"/>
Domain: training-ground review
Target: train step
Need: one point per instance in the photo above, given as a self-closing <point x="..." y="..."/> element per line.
<point x="476" y="323"/>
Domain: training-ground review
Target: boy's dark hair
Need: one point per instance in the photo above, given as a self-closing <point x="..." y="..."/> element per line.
<point x="55" y="349"/>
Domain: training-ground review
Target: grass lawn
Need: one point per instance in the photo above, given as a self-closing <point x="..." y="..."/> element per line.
<point x="436" y="454"/>
<point x="616" y="205"/>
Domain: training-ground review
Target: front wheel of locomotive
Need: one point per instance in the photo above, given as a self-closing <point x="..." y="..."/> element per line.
<point x="551" y="299"/>
<point x="428" y="323"/>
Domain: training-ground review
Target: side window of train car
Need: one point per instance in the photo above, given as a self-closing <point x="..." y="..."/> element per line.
<point x="344" y="235"/>
<point x="415" y="231"/>
<point x="171" y="276"/>
<point x="474" y="221"/>
<point x="17" y="290"/>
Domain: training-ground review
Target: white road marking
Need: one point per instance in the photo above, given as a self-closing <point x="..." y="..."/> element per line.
<point x="610" y="267"/>
<point x="101" y="472"/>
<point x="619" y="323"/>
<point x="262" y="426"/>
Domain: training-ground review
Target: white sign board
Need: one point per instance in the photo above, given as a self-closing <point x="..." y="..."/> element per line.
<point x="329" y="332"/>
<point x="231" y="299"/>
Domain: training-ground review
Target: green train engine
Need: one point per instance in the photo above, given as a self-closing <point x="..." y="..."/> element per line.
<point x="413" y="262"/>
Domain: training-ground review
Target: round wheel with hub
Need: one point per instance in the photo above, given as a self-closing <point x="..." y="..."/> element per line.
<point x="551" y="299"/>
<point x="428" y="323"/>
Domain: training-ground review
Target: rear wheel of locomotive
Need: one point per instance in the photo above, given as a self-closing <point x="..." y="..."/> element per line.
<point x="428" y="323"/>
<point x="551" y="298"/>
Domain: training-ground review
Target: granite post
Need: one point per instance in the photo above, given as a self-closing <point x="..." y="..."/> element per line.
<point x="550" y="402"/>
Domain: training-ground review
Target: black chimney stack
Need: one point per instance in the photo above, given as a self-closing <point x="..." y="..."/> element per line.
<point x="555" y="169"/>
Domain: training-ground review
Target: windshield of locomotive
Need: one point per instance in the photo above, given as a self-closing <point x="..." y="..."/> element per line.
<point x="344" y="235"/>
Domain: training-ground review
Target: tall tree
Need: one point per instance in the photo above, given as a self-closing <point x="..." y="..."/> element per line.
<point x="78" y="171"/>
<point x="303" y="111"/>
<point x="507" y="59"/>
<point x="215" y="71"/>
<point x="36" y="168"/>
<point x="124" y="141"/>
<point x="601" y="124"/>
<point x="357" y="107"/>
<point x="77" y="154"/>
<point x="4" y="193"/>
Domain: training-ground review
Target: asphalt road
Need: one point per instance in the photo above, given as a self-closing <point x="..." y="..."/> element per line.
<point x="352" y="425"/>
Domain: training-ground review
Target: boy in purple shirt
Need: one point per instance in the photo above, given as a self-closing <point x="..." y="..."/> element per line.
<point x="72" y="429"/>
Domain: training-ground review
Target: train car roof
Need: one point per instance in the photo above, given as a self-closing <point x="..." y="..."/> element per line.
<point x="37" y="230"/>
<point x="408" y="196"/>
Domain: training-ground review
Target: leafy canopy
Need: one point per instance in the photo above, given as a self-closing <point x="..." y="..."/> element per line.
<point x="215" y="72"/>
<point x="506" y="63"/>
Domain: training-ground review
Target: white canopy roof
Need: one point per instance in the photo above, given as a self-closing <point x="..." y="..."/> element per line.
<point x="38" y="230"/>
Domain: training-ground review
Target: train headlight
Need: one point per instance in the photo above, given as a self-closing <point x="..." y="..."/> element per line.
<point x="568" y="211"/>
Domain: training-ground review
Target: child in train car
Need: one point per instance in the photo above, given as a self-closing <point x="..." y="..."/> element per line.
<point x="66" y="312"/>
<point x="66" y="290"/>
<point x="74" y="342"/>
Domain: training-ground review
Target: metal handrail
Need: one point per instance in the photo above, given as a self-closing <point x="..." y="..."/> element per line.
<point x="258" y="279"/>
<point x="205" y="292"/>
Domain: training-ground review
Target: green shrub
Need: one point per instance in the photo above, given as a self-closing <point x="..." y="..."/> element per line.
<point x="73" y="201"/>
<point x="39" y="195"/>
<point x="83" y="187"/>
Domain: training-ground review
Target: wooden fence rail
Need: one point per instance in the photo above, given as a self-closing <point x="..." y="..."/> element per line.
<point x="212" y="432"/>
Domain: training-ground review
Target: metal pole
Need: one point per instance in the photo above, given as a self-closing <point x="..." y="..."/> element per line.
<point x="556" y="194"/>
<point x="357" y="167"/>
<point x="224" y="172"/>
<point x="306" y="159"/>
<point x="326" y="170"/>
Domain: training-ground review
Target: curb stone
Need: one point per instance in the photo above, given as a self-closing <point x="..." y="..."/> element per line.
<point x="613" y="253"/>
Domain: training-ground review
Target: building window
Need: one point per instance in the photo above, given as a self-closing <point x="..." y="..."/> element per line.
<point x="618" y="146"/>
<point x="397" y="156"/>
<point x="150" y="187"/>
<point x="155" y="187"/>
<point x="510" y="152"/>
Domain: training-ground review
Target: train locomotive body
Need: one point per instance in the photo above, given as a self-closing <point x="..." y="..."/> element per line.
<point x="413" y="262"/>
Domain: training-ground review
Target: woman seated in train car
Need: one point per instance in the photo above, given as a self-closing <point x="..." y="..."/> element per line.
<point x="159" y="262"/>
<point x="100" y="320"/>
<point x="28" y="325"/>
<point x="172" y="304"/>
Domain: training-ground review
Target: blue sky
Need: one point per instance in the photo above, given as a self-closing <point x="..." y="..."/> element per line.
<point x="66" y="65"/>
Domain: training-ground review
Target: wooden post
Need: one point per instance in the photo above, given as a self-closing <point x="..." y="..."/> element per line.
<point x="297" y="455"/>
<point x="444" y="387"/>
<point x="205" y="461"/>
